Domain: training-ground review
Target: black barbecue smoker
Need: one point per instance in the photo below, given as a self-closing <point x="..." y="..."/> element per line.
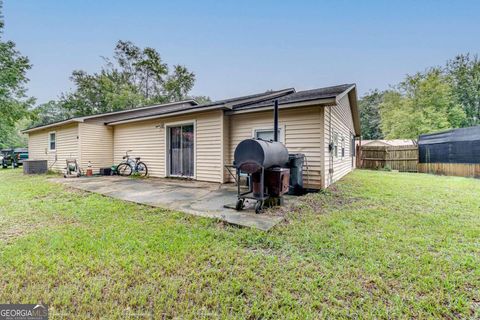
<point x="264" y="162"/>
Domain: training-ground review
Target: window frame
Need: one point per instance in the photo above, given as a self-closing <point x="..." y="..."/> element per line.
<point x="353" y="146"/>
<point x="50" y="141"/>
<point x="281" y="132"/>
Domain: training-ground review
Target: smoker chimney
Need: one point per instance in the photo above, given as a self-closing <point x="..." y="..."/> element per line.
<point x="275" y="121"/>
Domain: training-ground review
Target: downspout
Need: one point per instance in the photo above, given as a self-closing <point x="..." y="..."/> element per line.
<point x="331" y="146"/>
<point x="359" y="153"/>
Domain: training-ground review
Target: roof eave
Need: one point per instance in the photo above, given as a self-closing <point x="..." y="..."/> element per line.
<point x="165" y="115"/>
<point x="56" y="124"/>
<point x="353" y="100"/>
<point x="296" y="104"/>
<point x="190" y="101"/>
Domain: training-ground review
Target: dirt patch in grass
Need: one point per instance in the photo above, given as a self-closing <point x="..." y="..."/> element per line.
<point x="17" y="230"/>
<point x="318" y="203"/>
<point x="22" y="228"/>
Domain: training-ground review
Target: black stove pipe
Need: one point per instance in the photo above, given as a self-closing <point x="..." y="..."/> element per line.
<point x="275" y="121"/>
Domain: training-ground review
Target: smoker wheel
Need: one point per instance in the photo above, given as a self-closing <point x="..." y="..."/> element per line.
<point x="258" y="207"/>
<point x="240" y="205"/>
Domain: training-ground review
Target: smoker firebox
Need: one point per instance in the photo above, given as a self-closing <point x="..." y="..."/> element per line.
<point x="277" y="181"/>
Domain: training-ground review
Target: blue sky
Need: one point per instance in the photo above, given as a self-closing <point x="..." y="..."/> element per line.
<point x="242" y="47"/>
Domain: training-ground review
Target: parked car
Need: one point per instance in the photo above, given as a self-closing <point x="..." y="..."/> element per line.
<point x="20" y="155"/>
<point x="6" y="156"/>
<point x="13" y="157"/>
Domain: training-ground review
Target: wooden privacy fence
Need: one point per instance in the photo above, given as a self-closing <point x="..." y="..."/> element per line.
<point x="471" y="170"/>
<point x="401" y="158"/>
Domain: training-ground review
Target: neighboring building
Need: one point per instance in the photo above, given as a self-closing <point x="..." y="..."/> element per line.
<point x="184" y="139"/>
<point x="389" y="143"/>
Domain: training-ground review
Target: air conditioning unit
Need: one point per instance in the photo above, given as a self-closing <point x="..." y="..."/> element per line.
<point x="35" y="166"/>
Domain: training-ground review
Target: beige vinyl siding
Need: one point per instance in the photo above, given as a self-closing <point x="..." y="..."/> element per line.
<point x="209" y="146"/>
<point x="302" y="129"/>
<point x="38" y="145"/>
<point x="66" y="145"/>
<point x="96" y="146"/>
<point x="341" y="124"/>
<point x="147" y="140"/>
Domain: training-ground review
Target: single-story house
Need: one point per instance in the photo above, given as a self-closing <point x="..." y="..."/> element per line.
<point x="185" y="139"/>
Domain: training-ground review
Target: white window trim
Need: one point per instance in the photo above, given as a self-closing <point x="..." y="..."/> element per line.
<point x="50" y="141"/>
<point x="167" y="126"/>
<point x="260" y="129"/>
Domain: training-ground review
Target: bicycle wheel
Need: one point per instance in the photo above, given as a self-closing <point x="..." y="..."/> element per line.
<point x="142" y="169"/>
<point x="124" y="169"/>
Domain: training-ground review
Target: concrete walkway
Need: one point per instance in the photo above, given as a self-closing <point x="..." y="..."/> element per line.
<point x="193" y="197"/>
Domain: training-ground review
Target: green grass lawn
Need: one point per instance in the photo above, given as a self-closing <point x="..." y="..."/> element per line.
<point x="377" y="245"/>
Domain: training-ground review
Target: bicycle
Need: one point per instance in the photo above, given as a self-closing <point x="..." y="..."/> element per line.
<point x="129" y="166"/>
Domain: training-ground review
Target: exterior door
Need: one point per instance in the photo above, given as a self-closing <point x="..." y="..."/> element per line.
<point x="182" y="151"/>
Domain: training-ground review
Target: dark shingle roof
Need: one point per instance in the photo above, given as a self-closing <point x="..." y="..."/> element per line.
<point x="252" y="101"/>
<point x="259" y="96"/>
<point x="159" y="112"/>
<point x="253" y="98"/>
<point x="126" y="113"/>
<point x="314" y="94"/>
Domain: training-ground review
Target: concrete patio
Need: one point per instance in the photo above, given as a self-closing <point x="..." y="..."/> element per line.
<point x="193" y="197"/>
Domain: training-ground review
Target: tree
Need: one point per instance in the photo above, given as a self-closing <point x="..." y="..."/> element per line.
<point x="134" y="77"/>
<point x="101" y="92"/>
<point x="464" y="74"/>
<point x="14" y="136"/>
<point x="370" y="115"/>
<point x="422" y="103"/>
<point x="179" y="83"/>
<point x="143" y="69"/>
<point x="49" y="112"/>
<point x="14" y="103"/>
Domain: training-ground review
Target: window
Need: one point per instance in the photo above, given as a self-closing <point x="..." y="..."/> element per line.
<point x="52" y="141"/>
<point x="267" y="134"/>
<point x="352" y="146"/>
<point x="335" y="144"/>
<point x="343" y="147"/>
